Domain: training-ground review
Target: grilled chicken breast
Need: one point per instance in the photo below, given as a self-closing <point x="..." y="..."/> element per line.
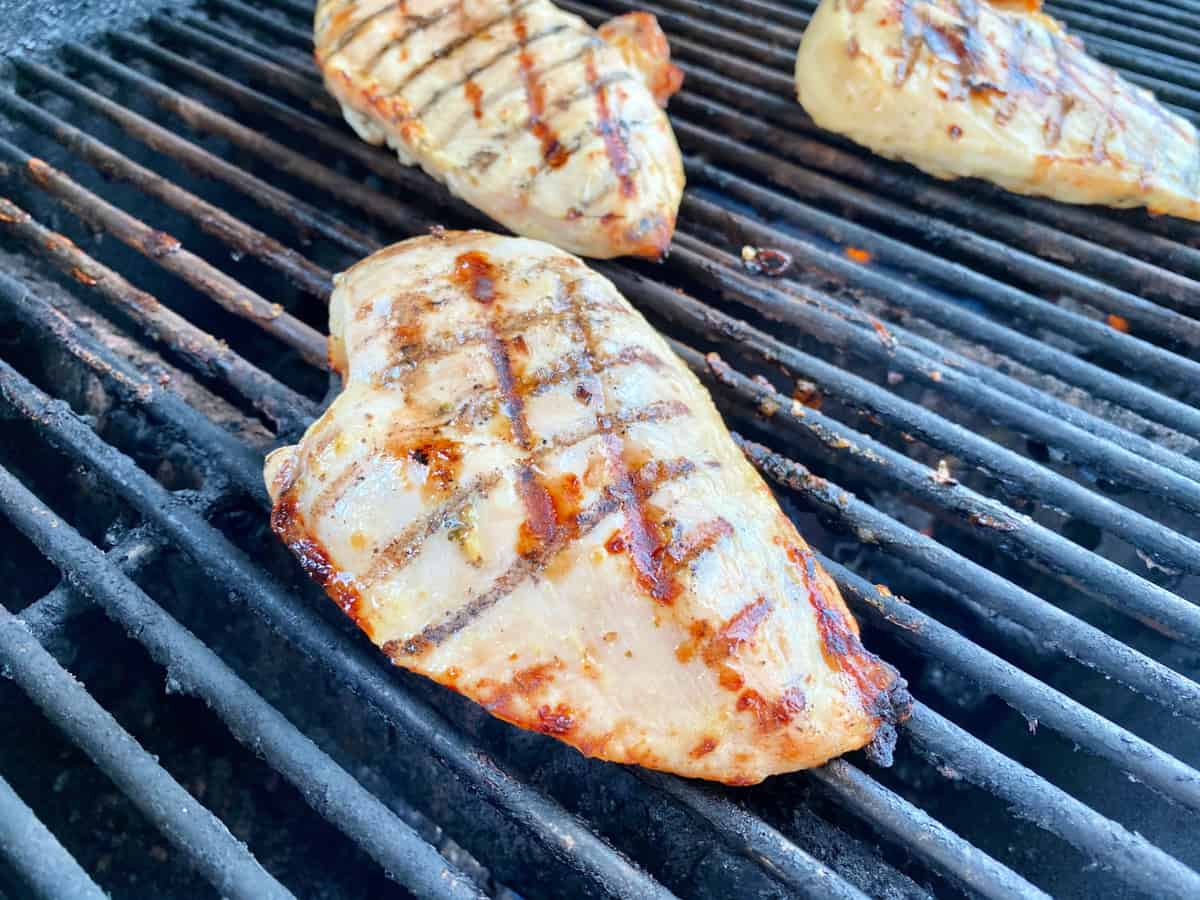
<point x="996" y="91"/>
<point x="520" y="109"/>
<point x="524" y="495"/>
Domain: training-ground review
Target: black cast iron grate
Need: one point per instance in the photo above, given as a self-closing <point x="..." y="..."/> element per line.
<point x="1007" y="384"/>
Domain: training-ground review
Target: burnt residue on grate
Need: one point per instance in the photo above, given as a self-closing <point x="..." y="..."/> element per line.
<point x="985" y="402"/>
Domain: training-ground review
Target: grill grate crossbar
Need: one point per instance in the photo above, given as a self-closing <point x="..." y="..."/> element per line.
<point x="197" y="670"/>
<point x="221" y="858"/>
<point x="810" y="169"/>
<point x="42" y="861"/>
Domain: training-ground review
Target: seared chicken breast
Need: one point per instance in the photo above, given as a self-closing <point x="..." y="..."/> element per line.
<point x="524" y="495"/>
<point x="520" y="109"/>
<point x="997" y="91"/>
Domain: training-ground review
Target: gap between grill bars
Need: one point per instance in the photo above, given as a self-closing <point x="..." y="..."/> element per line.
<point x="1115" y="450"/>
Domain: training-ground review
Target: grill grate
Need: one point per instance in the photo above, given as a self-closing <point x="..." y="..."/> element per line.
<point x="1058" y="578"/>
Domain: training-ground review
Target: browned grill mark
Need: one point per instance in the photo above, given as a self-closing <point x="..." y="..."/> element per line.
<point x="438" y="455"/>
<point x="410" y="354"/>
<point x="652" y="474"/>
<point x="511" y="401"/>
<point x="478" y="70"/>
<point x="656" y="411"/>
<point x="397" y="43"/>
<point x="575" y="365"/>
<point x="640" y="533"/>
<point x="289" y="525"/>
<point x="1053" y="127"/>
<point x="444" y="52"/>
<point x="524" y="568"/>
<point x="566" y="101"/>
<point x="474" y="410"/>
<point x="772" y="714"/>
<point x="348" y="35"/>
<point x="475" y="273"/>
<point x="518" y="572"/>
<point x="553" y="152"/>
<point x="551" y="532"/>
<point x="332" y="492"/>
<point x="402" y="549"/>
<point x="482" y="160"/>
<point x="541" y="527"/>
<point x="1016" y="79"/>
<point x="840" y="644"/>
<point x="911" y="42"/>
<point x="474" y="94"/>
<point x="610" y="131"/>
<point x="641" y="537"/>
<point x="698" y="542"/>
<point x="706" y="746"/>
<point x="1193" y="178"/>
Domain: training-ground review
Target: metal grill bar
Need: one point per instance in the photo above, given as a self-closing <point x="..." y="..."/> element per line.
<point x="1136" y="861"/>
<point x="1000" y="338"/>
<point x="280" y="57"/>
<point x="216" y="854"/>
<point x="1124" y="457"/>
<point x="1076" y="823"/>
<point x="167" y="252"/>
<point x="325" y="785"/>
<point x="353" y="664"/>
<point x="1020" y="231"/>
<point x="108" y="468"/>
<point x="1136" y="596"/>
<point x="1068" y="635"/>
<point x="1102" y="583"/>
<point x="749" y="836"/>
<point x="304" y="217"/>
<point x="240" y="464"/>
<point x="202" y="353"/>
<point x="1020" y="413"/>
<point x="299" y="38"/>
<point x="1141" y="314"/>
<point x="1138" y="65"/>
<point x="757" y="840"/>
<point x="925" y="836"/>
<point x="1032" y="698"/>
<point x="197" y="115"/>
<point x="757" y="126"/>
<point x="701" y="62"/>
<point x="242" y="238"/>
<point x="1070" y="414"/>
<point x="1130" y="10"/>
<point x="842" y="159"/>
<point x="48" y="869"/>
<point x="960" y="859"/>
<point x="776" y="861"/>
<point x="247" y="54"/>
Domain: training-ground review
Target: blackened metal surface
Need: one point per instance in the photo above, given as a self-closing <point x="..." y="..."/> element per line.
<point x="36" y="26"/>
<point x="993" y="399"/>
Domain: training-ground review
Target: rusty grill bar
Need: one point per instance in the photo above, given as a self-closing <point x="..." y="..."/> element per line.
<point x="993" y="305"/>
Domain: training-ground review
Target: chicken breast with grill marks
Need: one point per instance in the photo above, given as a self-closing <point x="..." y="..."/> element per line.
<point x="524" y="495"/>
<point x="520" y="109"/>
<point x="997" y="91"/>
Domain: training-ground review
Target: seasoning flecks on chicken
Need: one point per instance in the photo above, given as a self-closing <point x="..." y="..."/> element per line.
<point x="968" y="88"/>
<point x="524" y="495"/>
<point x="520" y="109"/>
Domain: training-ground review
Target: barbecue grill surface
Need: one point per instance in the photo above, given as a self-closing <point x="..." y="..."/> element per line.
<point x="985" y="402"/>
